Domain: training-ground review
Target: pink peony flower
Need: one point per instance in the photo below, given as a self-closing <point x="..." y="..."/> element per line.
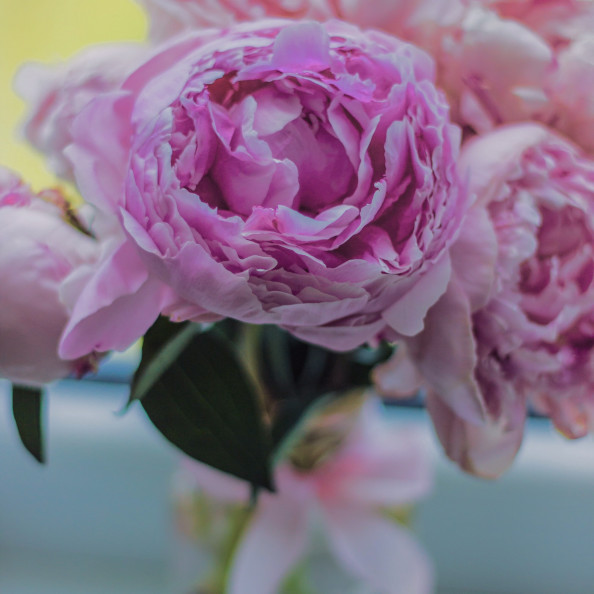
<point x="378" y="467"/>
<point x="499" y="61"/>
<point x="55" y="94"/>
<point x="506" y="61"/>
<point x="41" y="259"/>
<point x="170" y="17"/>
<point x="296" y="174"/>
<point x="524" y="333"/>
<point x="557" y="21"/>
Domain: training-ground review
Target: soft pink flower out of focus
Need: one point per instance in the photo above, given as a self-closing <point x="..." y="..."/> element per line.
<point x="56" y="93"/>
<point x="507" y="61"/>
<point x="522" y="330"/>
<point x="499" y="61"/>
<point x="170" y="17"/>
<point x="41" y="257"/>
<point x="296" y="174"/>
<point x="379" y="466"/>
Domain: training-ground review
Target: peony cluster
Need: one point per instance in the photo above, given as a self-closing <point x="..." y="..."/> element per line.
<point x="410" y="171"/>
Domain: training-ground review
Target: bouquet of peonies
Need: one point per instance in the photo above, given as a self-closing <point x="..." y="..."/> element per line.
<point x="294" y="200"/>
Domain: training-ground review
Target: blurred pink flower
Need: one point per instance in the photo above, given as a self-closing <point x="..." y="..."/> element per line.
<point x="42" y="258"/>
<point x="519" y="328"/>
<point x="296" y="174"/>
<point x="557" y="21"/>
<point x="379" y="466"/>
<point x="56" y="93"/>
<point x="499" y="61"/>
<point x="507" y="61"/>
<point x="170" y="17"/>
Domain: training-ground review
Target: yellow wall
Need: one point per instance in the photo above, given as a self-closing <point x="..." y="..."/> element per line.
<point x="46" y="31"/>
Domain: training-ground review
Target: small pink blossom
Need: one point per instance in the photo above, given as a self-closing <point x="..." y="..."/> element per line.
<point x="516" y="325"/>
<point x="379" y="466"/>
<point x="296" y="174"/>
<point x="41" y="258"/>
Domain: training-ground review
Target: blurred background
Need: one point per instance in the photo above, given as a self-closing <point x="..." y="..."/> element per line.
<point x="49" y="31"/>
<point x="98" y="518"/>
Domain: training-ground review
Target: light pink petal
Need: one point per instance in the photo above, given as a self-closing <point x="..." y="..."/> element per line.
<point x="272" y="544"/>
<point x="378" y="551"/>
<point x="498" y="157"/>
<point x="116" y="307"/>
<point x="381" y="464"/>
<point x="445" y="354"/>
<point x="396" y="469"/>
<point x="339" y="337"/>
<point x="473" y="257"/>
<point x="487" y="450"/>
<point x="301" y="47"/>
<point x="398" y="377"/>
<point x="100" y="159"/>
<point x="407" y="314"/>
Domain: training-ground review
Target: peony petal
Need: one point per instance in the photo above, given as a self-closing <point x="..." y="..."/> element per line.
<point x="301" y="47"/>
<point x="100" y="160"/>
<point x="407" y="314"/>
<point x="398" y="377"/>
<point x="473" y="257"/>
<point x="116" y="307"/>
<point x="445" y="354"/>
<point x="486" y="450"/>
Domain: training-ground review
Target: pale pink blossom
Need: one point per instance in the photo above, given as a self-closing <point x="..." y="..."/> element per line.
<point x="170" y="17"/>
<point x="516" y="326"/>
<point x="508" y="61"/>
<point x="499" y="61"/>
<point x="380" y="466"/>
<point x="56" y="93"/>
<point x="296" y="174"/>
<point x="557" y="21"/>
<point x="41" y="257"/>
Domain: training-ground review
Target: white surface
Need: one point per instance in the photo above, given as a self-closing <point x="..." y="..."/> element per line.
<point x="98" y="518"/>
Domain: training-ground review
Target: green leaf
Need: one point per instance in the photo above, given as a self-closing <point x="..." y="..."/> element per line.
<point x="162" y="344"/>
<point x="27" y="411"/>
<point x="197" y="394"/>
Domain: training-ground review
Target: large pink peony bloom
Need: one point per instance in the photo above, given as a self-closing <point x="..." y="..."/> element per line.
<point x="42" y="258"/>
<point x="56" y="93"/>
<point x="525" y="332"/>
<point x="296" y="174"/>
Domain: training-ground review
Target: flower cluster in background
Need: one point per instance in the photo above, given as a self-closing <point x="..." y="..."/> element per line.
<point x="403" y="190"/>
<point x="344" y="499"/>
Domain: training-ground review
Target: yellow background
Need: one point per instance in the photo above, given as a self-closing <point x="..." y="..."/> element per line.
<point x="48" y="31"/>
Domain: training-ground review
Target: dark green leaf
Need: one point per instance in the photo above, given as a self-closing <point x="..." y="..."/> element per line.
<point x="162" y="345"/>
<point x="198" y="396"/>
<point x="27" y="412"/>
